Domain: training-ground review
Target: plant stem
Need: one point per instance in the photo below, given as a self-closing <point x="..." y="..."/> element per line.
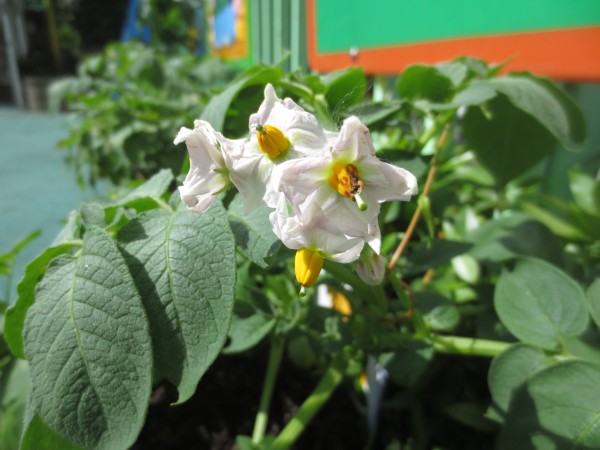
<point x="417" y="214"/>
<point x="292" y="431"/>
<point x="468" y="346"/>
<point x="262" y="417"/>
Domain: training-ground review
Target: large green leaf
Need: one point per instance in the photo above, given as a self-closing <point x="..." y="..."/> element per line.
<point x="540" y="304"/>
<point x="544" y="101"/>
<point x="344" y="88"/>
<point x="424" y="82"/>
<point x="511" y="236"/>
<point x="184" y="267"/>
<point x="15" y="315"/>
<point x="253" y="232"/>
<point x="217" y="107"/>
<point x="506" y="140"/>
<point x="475" y="93"/>
<point x="558" y="408"/>
<point x="89" y="348"/>
<point x="508" y="371"/>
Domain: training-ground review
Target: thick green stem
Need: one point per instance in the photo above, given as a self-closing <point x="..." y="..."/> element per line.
<point x="292" y="431"/>
<point x="262" y="417"/>
<point x="468" y="346"/>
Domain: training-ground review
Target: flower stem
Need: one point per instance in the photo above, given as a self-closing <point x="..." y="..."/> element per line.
<point x="468" y="346"/>
<point x="292" y="431"/>
<point x="417" y="214"/>
<point x="262" y="417"/>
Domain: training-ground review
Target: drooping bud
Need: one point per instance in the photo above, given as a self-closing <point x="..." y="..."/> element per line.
<point x="307" y="265"/>
<point x="346" y="182"/>
<point x="371" y="267"/>
<point x="271" y="140"/>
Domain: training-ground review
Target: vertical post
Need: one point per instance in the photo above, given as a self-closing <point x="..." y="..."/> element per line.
<point x="297" y="34"/>
<point x="265" y="26"/>
<point x="277" y="34"/>
<point x="11" y="57"/>
<point x="255" y="19"/>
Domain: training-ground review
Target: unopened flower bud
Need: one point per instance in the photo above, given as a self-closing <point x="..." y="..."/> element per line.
<point x="308" y="265"/>
<point x="371" y="267"/>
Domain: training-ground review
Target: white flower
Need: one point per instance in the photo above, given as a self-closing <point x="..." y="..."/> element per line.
<point x="318" y="234"/>
<point x="348" y="183"/>
<point x="280" y="131"/>
<point x="208" y="174"/>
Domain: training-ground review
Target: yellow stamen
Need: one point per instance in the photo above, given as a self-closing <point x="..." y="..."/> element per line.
<point x="346" y="182"/>
<point x="271" y="140"/>
<point x="307" y="265"/>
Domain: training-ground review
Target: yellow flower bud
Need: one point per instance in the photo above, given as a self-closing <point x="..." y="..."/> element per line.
<point x="271" y="140"/>
<point x="308" y="265"/>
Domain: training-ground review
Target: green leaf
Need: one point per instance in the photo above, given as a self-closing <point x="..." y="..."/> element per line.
<point x="511" y="236"/>
<point x="154" y="188"/>
<point x="372" y="113"/>
<point x="407" y="364"/>
<point x="184" y="267"/>
<point x="593" y="301"/>
<point x="69" y="231"/>
<point x="455" y="71"/>
<point x="439" y="253"/>
<point x="88" y="344"/>
<point x="92" y="215"/>
<point x="540" y="304"/>
<point x="217" y="107"/>
<point x="11" y="424"/>
<point x="545" y="102"/>
<point x="253" y="232"/>
<point x="344" y="88"/>
<point x="508" y="372"/>
<point x="506" y="140"/>
<point x="557" y="408"/>
<point x="475" y="93"/>
<point x="39" y="436"/>
<point x="438" y="312"/>
<point x="424" y="82"/>
<point x="586" y="192"/>
<point x="15" y="315"/>
<point x="466" y="268"/>
<point x="246" y="332"/>
<point x="14" y="384"/>
<point x="557" y="224"/>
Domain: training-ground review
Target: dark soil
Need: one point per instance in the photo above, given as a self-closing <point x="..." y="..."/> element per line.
<point x="225" y="404"/>
<point x="227" y="398"/>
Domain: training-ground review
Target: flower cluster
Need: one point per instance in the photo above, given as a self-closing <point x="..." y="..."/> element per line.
<point x="325" y="187"/>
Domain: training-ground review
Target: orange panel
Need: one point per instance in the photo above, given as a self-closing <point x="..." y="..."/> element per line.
<point x="565" y="54"/>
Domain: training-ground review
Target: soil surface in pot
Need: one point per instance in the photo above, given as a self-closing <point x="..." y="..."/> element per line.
<point x="226" y="401"/>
